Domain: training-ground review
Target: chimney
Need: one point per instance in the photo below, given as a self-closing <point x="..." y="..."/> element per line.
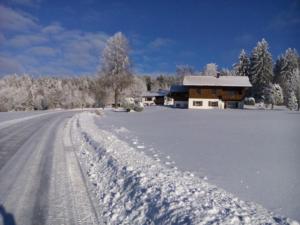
<point x="218" y="74"/>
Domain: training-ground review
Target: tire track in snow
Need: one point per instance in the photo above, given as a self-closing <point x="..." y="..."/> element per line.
<point x="13" y="137"/>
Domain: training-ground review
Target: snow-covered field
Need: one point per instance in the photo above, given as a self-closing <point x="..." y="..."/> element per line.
<point x="132" y="187"/>
<point x="254" y="154"/>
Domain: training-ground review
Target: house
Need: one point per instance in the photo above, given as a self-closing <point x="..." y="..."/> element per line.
<point x="159" y="97"/>
<point x="207" y="92"/>
<point x="180" y="96"/>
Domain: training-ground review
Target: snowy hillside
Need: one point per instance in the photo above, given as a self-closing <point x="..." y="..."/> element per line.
<point x="133" y="188"/>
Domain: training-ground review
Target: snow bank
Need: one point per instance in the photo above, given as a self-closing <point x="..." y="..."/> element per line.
<point x="132" y="188"/>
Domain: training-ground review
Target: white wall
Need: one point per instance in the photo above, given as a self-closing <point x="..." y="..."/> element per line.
<point x="205" y="103"/>
<point x="151" y="102"/>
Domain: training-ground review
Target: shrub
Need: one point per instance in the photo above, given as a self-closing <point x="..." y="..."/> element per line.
<point x="249" y="101"/>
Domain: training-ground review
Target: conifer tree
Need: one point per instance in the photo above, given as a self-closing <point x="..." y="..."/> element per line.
<point x="242" y="67"/>
<point x="261" y="68"/>
<point x="287" y="75"/>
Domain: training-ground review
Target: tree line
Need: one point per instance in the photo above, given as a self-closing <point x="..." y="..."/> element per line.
<point x="272" y="83"/>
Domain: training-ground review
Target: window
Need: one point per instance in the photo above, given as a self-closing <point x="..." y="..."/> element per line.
<point x="213" y="104"/>
<point x="148" y="99"/>
<point x="197" y="103"/>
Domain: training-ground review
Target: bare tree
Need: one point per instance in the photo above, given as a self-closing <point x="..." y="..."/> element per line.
<point x="116" y="65"/>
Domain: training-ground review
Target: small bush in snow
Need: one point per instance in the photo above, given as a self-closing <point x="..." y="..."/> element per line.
<point x="131" y="105"/>
<point x="138" y="108"/>
<point x="249" y="101"/>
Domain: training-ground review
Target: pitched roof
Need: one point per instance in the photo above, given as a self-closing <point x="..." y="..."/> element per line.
<point x="154" y="94"/>
<point x="223" y="81"/>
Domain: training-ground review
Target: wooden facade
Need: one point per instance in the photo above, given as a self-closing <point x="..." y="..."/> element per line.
<point x="223" y="93"/>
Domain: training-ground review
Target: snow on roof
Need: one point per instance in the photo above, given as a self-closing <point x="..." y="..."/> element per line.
<point x="178" y="88"/>
<point x="227" y="81"/>
<point x="153" y="94"/>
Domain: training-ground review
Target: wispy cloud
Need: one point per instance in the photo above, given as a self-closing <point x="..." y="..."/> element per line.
<point x="25" y="40"/>
<point x="43" y="51"/>
<point x="11" y="20"/>
<point x="287" y="18"/>
<point x="36" y="49"/>
<point x="244" y="39"/>
<point x="29" y="3"/>
<point x="8" y="64"/>
<point x="160" y="42"/>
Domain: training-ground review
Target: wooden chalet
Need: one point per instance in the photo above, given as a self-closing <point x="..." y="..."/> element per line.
<point x="207" y="92"/>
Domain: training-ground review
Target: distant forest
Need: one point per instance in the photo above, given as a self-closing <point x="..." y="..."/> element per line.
<point x="273" y="83"/>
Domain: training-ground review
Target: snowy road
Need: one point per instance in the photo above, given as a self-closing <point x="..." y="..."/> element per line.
<point x="39" y="174"/>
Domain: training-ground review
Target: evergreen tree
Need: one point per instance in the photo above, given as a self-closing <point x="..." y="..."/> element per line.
<point x="242" y="67"/>
<point x="261" y="68"/>
<point x="273" y="95"/>
<point x="287" y="75"/>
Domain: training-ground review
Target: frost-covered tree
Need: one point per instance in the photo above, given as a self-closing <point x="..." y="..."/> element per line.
<point x="184" y="70"/>
<point x="211" y="69"/>
<point x="137" y="88"/>
<point x="273" y="95"/>
<point x="116" y="65"/>
<point x="261" y="68"/>
<point x="292" y="101"/>
<point x="242" y="67"/>
<point x="287" y="75"/>
<point x="27" y="93"/>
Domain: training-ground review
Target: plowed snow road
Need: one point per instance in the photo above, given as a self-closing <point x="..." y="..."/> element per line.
<point x="40" y="178"/>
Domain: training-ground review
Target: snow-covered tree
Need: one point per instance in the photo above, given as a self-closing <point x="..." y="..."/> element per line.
<point x="116" y="65"/>
<point x="292" y="101"/>
<point x="287" y="75"/>
<point x="211" y="69"/>
<point x="261" y="68"/>
<point x="184" y="70"/>
<point x="242" y="67"/>
<point x="137" y="88"/>
<point x="273" y="95"/>
<point x="27" y="93"/>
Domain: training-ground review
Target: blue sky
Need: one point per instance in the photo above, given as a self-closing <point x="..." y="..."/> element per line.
<point x="60" y="37"/>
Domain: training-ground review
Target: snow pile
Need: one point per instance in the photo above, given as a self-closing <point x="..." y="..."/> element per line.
<point x="132" y="188"/>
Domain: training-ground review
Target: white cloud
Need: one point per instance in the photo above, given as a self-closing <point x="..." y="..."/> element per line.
<point x="2" y="38"/>
<point x="43" y="51"/>
<point x="25" y="40"/>
<point x="12" y="20"/>
<point x="53" y="29"/>
<point x="160" y="42"/>
<point x="244" y="39"/>
<point x="288" y="17"/>
<point x="10" y="65"/>
<point x="31" y="3"/>
<point x="46" y="49"/>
